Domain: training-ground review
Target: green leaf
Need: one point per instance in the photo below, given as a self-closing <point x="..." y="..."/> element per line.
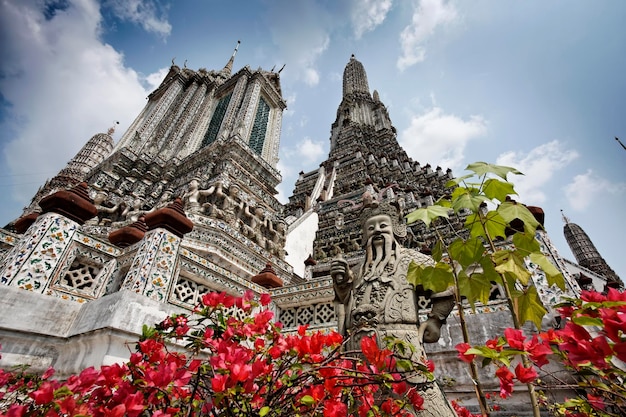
<point x="436" y="279"/>
<point x="530" y="307"/>
<point x="467" y="198"/>
<point x="511" y="262"/>
<point x="265" y="410"/>
<point x="307" y="400"/>
<point x="526" y="242"/>
<point x="511" y="211"/>
<point x="493" y="223"/>
<point x="474" y="287"/>
<point x="487" y="352"/>
<point x="444" y="202"/>
<point x="427" y="214"/>
<point x="489" y="269"/>
<point x="494" y="188"/>
<point x="404" y="364"/>
<point x="437" y="251"/>
<point x="553" y="275"/>
<point x="586" y="320"/>
<point x="458" y="180"/>
<point x="483" y="168"/>
<point x="466" y="252"/>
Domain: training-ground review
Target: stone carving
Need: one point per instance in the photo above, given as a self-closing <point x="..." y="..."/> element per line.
<point x="254" y="225"/>
<point x="106" y="215"/>
<point x="230" y="208"/>
<point x="133" y="212"/>
<point x="276" y="243"/>
<point x="165" y="199"/>
<point x="376" y="299"/>
<point x="193" y="196"/>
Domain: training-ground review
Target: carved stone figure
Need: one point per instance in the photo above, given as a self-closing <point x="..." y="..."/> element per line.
<point x="256" y="220"/>
<point x="231" y="206"/>
<point x="376" y="299"/>
<point x="164" y="200"/>
<point x="132" y="213"/>
<point x="276" y="245"/>
<point x="194" y="194"/>
<point x="106" y="214"/>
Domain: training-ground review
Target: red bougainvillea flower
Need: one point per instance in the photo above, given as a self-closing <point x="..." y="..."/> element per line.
<point x="596" y="402"/>
<point x="506" y="381"/>
<point x="44" y="394"/>
<point x="265" y="299"/>
<point x="462" y="348"/>
<point x="615" y="295"/>
<point x="334" y="408"/>
<point x="525" y="375"/>
<point x="614" y="323"/>
<point x="515" y="338"/>
<point x="416" y="399"/>
<point x="592" y="296"/>
<point x="495" y="344"/>
<point x="538" y="351"/>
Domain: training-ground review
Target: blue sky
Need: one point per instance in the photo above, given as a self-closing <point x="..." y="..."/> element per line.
<point x="537" y="85"/>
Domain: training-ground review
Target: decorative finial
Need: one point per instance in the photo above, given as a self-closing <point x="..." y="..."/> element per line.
<point x="565" y="218"/>
<point x="228" y="68"/>
<point x="112" y="128"/>
<point x="281" y="68"/>
<point x="173" y="64"/>
<point x="185" y="64"/>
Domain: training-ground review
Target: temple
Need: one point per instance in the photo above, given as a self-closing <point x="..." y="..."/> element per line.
<point x="185" y="203"/>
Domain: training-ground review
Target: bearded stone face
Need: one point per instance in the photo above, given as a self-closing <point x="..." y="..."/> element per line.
<point x="379" y="242"/>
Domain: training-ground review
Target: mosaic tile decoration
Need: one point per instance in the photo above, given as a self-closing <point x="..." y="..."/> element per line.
<point x="154" y="265"/>
<point x="31" y="263"/>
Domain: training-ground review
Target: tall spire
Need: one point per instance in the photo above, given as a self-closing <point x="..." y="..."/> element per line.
<point x="585" y="251"/>
<point x="355" y="79"/>
<point x="228" y="69"/>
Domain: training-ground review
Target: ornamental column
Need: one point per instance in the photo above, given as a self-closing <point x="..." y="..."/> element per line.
<point x="47" y="242"/>
<point x="153" y="269"/>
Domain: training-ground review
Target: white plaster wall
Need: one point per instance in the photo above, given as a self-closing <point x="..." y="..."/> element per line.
<point x="299" y="242"/>
<point x="42" y="331"/>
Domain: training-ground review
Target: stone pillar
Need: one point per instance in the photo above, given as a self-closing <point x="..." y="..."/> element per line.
<point x="31" y="263"/>
<point x="153" y="270"/>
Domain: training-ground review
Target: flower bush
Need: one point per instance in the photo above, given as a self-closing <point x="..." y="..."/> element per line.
<point x="228" y="359"/>
<point x="591" y="344"/>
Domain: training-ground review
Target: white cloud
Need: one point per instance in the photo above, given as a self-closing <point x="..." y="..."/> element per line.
<point x="290" y="98"/>
<point x="366" y="15"/>
<point x="146" y="13"/>
<point x="63" y="85"/>
<point x="152" y="81"/>
<point x="302" y="40"/>
<point x="539" y="166"/>
<point x="588" y="187"/>
<point x="439" y="138"/>
<point x="428" y="14"/>
<point x="305" y="152"/>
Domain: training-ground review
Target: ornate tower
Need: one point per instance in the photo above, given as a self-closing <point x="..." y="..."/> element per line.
<point x="192" y="109"/>
<point x="364" y="156"/>
<point x="586" y="253"/>
<point x="91" y="155"/>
